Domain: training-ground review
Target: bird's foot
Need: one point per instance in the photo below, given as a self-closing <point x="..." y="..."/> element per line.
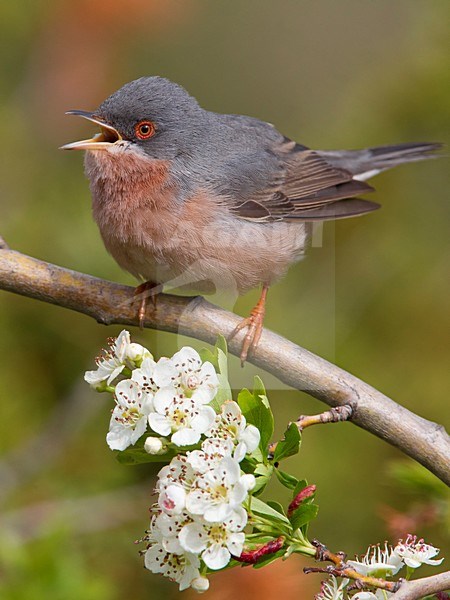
<point x="142" y="293"/>
<point x="254" y="325"/>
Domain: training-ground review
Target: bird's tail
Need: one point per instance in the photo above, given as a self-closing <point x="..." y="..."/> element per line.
<point x="367" y="163"/>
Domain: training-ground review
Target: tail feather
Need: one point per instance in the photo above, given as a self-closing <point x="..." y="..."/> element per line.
<point x="364" y="164"/>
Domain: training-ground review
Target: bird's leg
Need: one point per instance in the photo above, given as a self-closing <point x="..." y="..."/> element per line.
<point x="254" y="323"/>
<point x="142" y="293"/>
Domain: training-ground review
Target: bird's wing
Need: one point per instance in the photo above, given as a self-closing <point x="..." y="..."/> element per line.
<point x="304" y="186"/>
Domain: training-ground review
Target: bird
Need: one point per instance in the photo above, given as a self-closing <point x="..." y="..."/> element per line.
<point x="184" y="194"/>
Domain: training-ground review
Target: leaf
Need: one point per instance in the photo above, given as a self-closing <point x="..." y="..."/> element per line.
<point x="221" y="344"/>
<point x="258" y="413"/>
<point x="137" y="456"/>
<point x="285" y="479"/>
<point x="276" y="506"/>
<point x="207" y="355"/>
<point x="258" y="507"/>
<point x="260" y="390"/>
<point x="289" y="445"/>
<point x="260" y="484"/>
<point x="303" y="515"/>
<point x="266" y="560"/>
<point x="299" y="487"/>
<point x="263" y="469"/>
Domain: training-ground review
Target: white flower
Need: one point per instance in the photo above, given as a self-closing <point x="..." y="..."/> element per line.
<point x="182" y="568"/>
<point x="379" y="595"/>
<point x="215" y="541"/>
<point x="178" y="471"/>
<point x="172" y="499"/>
<point x="218" y="493"/>
<point x="144" y="375"/>
<point x="200" y="584"/>
<point x="166" y="528"/>
<point x="416" y="552"/>
<point x="180" y="417"/>
<point x="122" y="353"/>
<point x="194" y="379"/>
<point x="212" y="452"/>
<point x="231" y="424"/>
<point x="378" y="562"/>
<point x="129" y="417"/>
<point x="330" y="590"/>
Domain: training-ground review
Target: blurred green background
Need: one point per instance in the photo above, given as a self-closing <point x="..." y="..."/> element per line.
<point x="372" y="295"/>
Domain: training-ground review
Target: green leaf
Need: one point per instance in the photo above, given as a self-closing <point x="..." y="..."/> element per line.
<point x="289" y="445"/>
<point x="260" y="484"/>
<point x="258" y="413"/>
<point x="266" y="560"/>
<point x="285" y="479"/>
<point x="258" y="507"/>
<point x="260" y="390"/>
<point x="276" y="506"/>
<point x="303" y="515"/>
<point x="262" y="469"/>
<point x="137" y="456"/>
<point x="208" y="355"/>
<point x="221" y="344"/>
<point x="299" y="487"/>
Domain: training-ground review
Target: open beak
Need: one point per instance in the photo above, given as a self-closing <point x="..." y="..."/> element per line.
<point x="101" y="141"/>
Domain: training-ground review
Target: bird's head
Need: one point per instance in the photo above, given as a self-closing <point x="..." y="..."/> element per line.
<point x="150" y="116"/>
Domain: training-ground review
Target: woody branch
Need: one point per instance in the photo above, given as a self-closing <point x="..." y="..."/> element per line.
<point x="110" y="303"/>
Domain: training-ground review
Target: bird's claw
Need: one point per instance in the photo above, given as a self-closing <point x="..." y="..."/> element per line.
<point x="254" y="324"/>
<point x="143" y="292"/>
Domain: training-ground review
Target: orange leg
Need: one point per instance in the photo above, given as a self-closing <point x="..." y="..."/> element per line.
<point x="254" y="323"/>
<point x="143" y="292"/>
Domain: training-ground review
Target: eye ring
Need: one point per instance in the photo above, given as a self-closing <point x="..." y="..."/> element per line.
<point x="144" y="130"/>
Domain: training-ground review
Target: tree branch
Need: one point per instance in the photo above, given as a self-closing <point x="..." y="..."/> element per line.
<point x="110" y="303"/>
<point x="418" y="588"/>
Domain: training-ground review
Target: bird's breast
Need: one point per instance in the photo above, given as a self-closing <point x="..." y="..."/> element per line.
<point x="194" y="242"/>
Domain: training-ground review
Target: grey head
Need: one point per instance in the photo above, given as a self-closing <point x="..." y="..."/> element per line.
<point x="176" y="116"/>
<point x="154" y="115"/>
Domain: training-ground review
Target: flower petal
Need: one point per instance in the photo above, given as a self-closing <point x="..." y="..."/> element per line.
<point x="251" y="437"/>
<point x="193" y="538"/>
<point x="164" y="373"/>
<point x="118" y="438"/>
<point x="217" y="513"/>
<point x="159" y="424"/>
<point x="185" y="437"/>
<point x="216" y="557"/>
<point x="204" y="419"/>
<point x="164" y="398"/>
<point x="235" y="543"/>
<point x="196" y="502"/>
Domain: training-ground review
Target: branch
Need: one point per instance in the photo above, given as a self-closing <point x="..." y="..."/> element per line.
<point x="110" y="303"/>
<point x="413" y="590"/>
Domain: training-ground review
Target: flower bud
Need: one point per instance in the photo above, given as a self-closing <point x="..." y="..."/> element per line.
<point x="137" y="353"/>
<point x="154" y="445"/>
<point x="305" y="493"/>
<point x="252" y="556"/>
<point x="200" y="584"/>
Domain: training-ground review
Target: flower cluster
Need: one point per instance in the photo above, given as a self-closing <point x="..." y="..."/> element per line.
<point x="198" y="521"/>
<point x="381" y="562"/>
<point x="387" y="561"/>
<point x="170" y="396"/>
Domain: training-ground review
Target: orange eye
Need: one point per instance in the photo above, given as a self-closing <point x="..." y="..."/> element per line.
<point x="144" y="130"/>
